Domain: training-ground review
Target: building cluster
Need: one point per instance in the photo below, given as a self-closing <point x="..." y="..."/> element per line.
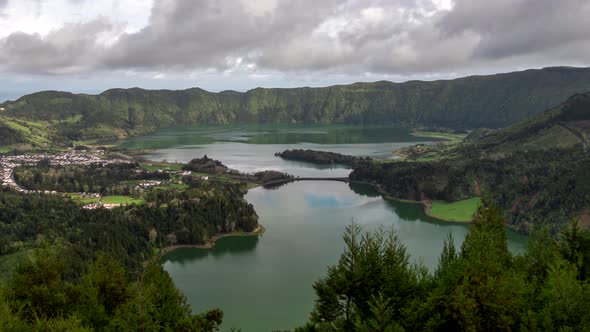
<point x="8" y="163"/>
<point x="70" y="158"/>
<point x="91" y="206"/>
<point x="148" y="184"/>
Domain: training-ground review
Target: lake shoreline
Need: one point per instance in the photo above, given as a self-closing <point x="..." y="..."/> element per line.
<point x="211" y="242"/>
<point x="426" y="206"/>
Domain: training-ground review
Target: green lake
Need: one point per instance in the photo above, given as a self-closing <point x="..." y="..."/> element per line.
<point x="252" y="148"/>
<point x="265" y="283"/>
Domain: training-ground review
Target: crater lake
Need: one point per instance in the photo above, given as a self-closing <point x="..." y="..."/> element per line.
<point x="265" y="283"/>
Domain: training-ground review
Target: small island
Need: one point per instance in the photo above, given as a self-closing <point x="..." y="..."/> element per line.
<point x="217" y="169"/>
<point x="205" y="165"/>
<point x="321" y="157"/>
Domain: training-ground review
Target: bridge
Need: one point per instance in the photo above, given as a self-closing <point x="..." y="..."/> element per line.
<point x="287" y="180"/>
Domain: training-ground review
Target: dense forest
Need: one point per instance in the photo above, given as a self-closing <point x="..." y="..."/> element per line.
<point x="54" y="289"/>
<point x="478" y="287"/>
<point x="66" y="268"/>
<point x="168" y="217"/>
<point x="470" y="102"/>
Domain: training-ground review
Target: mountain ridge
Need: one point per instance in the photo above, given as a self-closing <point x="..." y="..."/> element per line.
<point x="493" y="101"/>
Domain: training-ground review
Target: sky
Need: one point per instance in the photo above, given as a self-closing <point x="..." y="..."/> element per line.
<point x="93" y="45"/>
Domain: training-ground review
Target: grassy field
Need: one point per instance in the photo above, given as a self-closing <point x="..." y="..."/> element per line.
<point x="79" y="199"/>
<point x="121" y="200"/>
<point x="4" y="149"/>
<point x="455" y="211"/>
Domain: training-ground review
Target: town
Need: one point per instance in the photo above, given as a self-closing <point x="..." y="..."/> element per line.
<point x="98" y="157"/>
<point x="82" y="158"/>
<point x="70" y="158"/>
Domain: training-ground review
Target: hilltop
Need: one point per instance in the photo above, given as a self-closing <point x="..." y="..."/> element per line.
<point x="493" y="101"/>
<point x="564" y="126"/>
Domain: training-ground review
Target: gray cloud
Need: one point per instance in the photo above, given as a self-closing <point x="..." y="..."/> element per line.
<point x="393" y="37"/>
<point x="71" y="49"/>
<point x="387" y="36"/>
<point x="209" y="33"/>
<point x="2" y="5"/>
<point x="518" y="27"/>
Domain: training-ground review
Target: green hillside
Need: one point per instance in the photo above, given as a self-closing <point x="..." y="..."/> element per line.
<point x="9" y="135"/>
<point x="536" y="170"/>
<point x="471" y="102"/>
<point x="564" y="126"/>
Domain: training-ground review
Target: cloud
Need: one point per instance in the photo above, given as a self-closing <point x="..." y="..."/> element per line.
<point x="209" y="33"/>
<point x="509" y="28"/>
<point x="299" y="36"/>
<point x="71" y="49"/>
<point x="382" y="36"/>
<point x="2" y="6"/>
<point x="310" y="37"/>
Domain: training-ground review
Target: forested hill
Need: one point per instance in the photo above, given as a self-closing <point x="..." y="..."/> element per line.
<point x="564" y="126"/>
<point x="536" y="171"/>
<point x="471" y="102"/>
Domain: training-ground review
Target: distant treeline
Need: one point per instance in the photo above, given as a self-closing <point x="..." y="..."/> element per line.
<point x="320" y="157"/>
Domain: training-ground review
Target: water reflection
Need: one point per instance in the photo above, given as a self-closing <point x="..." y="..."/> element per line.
<point x="363" y="189"/>
<point x="271" y="134"/>
<point x="251" y="277"/>
<point x="410" y="211"/>
<point x="275" y="186"/>
<point x="334" y="135"/>
<point x="223" y="247"/>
